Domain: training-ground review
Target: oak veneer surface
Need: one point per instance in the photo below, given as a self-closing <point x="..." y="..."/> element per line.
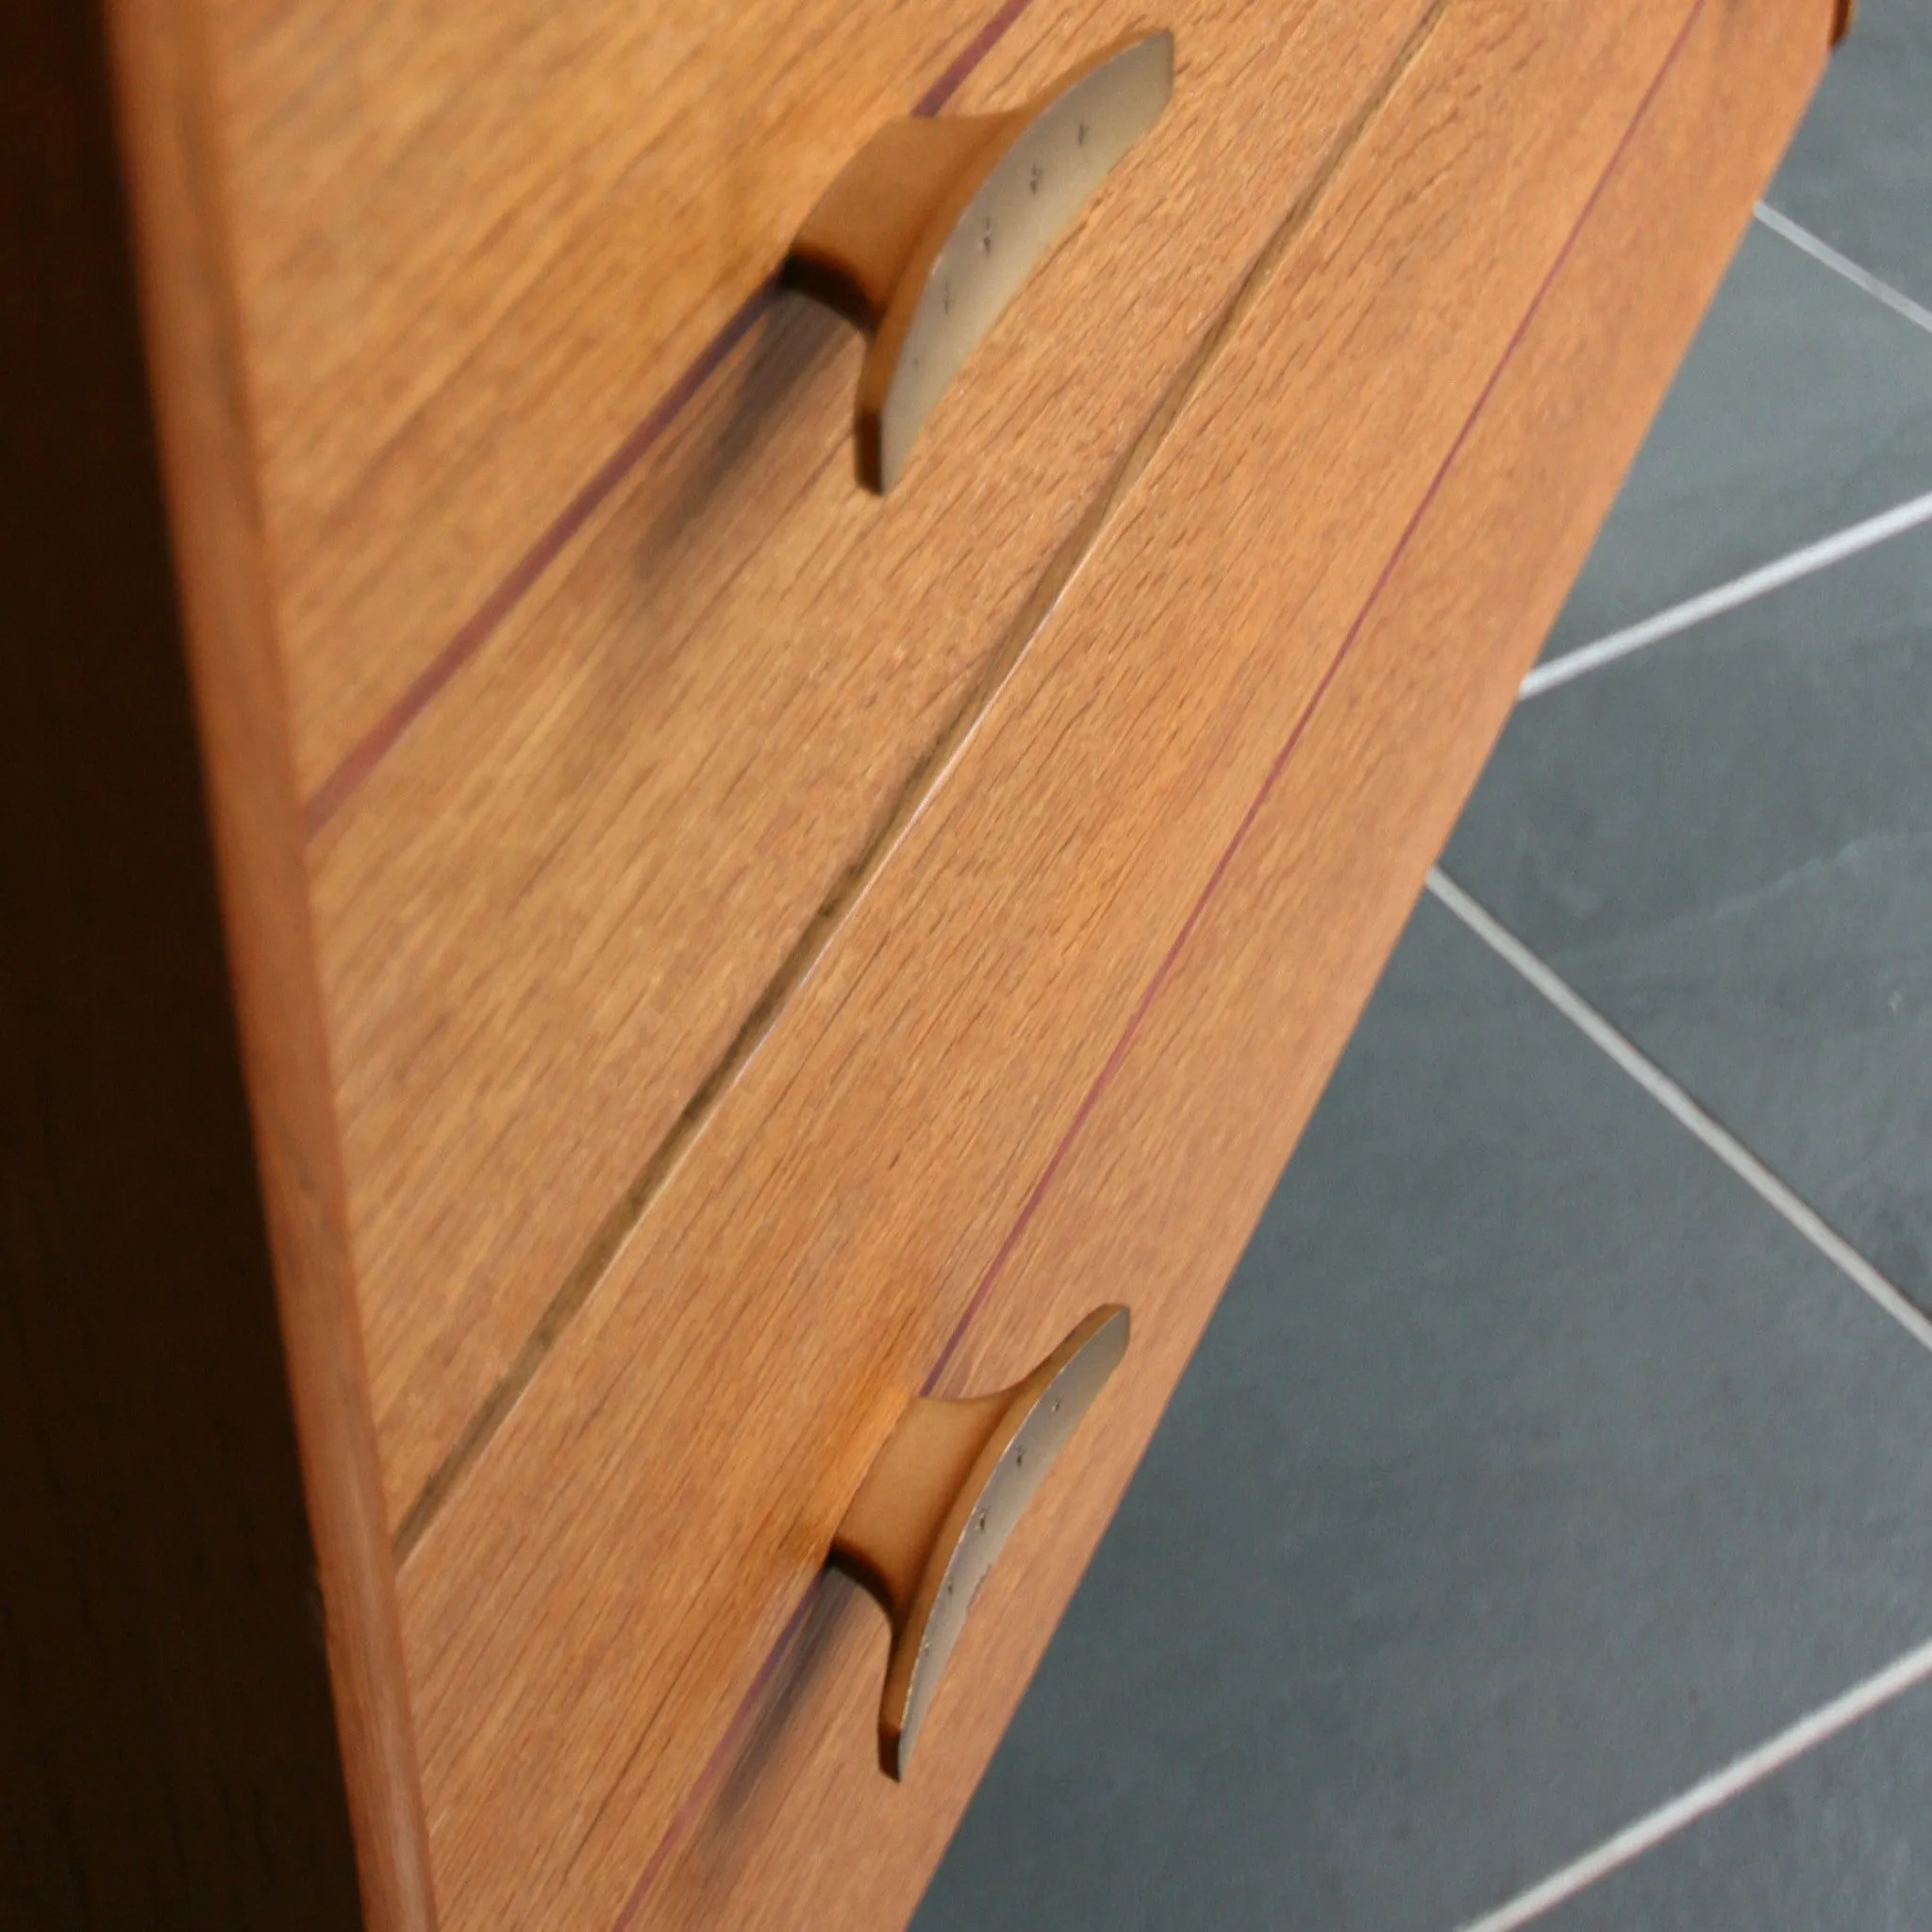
<point x="597" y="1589"/>
<point x="475" y="241"/>
<point x="547" y="912"/>
<point x="193" y="1733"/>
<point x="1153" y="1191"/>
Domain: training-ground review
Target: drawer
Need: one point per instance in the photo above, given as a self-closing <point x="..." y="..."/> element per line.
<point x="473" y="248"/>
<point x="561" y="900"/>
<point x="1068" y="1022"/>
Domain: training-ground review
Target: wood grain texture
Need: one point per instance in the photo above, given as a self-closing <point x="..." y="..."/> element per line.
<point x="1173" y="1164"/>
<point x="557" y="902"/>
<point x="207" y="467"/>
<point x="476" y="243"/>
<point x="598" y="1589"/>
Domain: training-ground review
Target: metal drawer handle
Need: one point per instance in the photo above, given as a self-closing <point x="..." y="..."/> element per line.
<point x="930" y="230"/>
<point x="942" y="1497"/>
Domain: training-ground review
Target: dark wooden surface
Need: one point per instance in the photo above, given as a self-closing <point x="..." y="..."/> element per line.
<point x="168" y="1749"/>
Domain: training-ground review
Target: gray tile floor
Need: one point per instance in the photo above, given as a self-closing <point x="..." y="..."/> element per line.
<point x="1543" y="1533"/>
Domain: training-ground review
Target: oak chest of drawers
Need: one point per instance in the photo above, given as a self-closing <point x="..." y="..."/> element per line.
<point x="569" y="960"/>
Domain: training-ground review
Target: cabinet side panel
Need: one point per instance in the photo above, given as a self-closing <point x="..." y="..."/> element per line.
<point x="177" y="1746"/>
<point x="167" y="1747"/>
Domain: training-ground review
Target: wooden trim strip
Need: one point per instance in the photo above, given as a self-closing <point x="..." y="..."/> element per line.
<point x="475" y="631"/>
<point x="969" y="56"/>
<point x="369" y="751"/>
<point x="706" y="1781"/>
<point x="795" y="1622"/>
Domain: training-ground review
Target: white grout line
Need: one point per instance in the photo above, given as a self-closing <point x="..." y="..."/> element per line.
<point x="1915" y="1667"/>
<point x="1680" y="1106"/>
<point x="1802" y="238"/>
<point x="1784" y="570"/>
<point x="1753" y="584"/>
<point x="1719" y="1789"/>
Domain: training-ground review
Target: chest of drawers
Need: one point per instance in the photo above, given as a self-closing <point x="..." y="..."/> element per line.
<point x="579" y="959"/>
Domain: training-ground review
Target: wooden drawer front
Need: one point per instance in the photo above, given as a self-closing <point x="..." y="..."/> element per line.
<point x="475" y="243"/>
<point x="1162" y="1179"/>
<point x="547" y="912"/>
<point x="856" y="1213"/>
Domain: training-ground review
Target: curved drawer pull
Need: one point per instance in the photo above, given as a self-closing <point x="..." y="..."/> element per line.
<point x="944" y="1495"/>
<point x="934" y="224"/>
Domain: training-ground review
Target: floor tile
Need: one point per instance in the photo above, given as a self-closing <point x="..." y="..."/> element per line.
<point x="1804" y="406"/>
<point x="1530" y="1468"/>
<point x="1840" y="1841"/>
<point x="1725" y="843"/>
<point x="1859" y="173"/>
